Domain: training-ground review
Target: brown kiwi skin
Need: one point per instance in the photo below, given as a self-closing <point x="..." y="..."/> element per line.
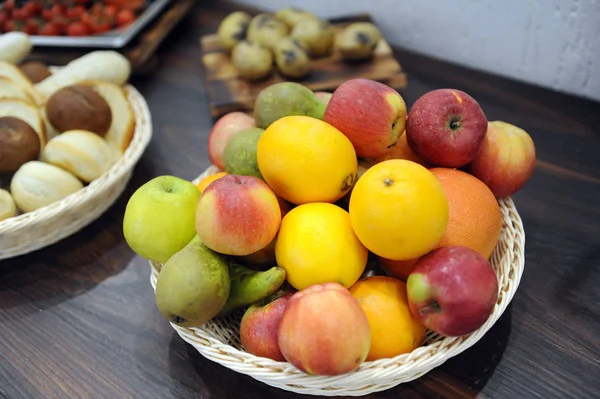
<point x="19" y="144"/>
<point x="79" y="107"/>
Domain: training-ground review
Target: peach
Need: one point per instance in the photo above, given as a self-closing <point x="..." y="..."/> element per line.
<point x="371" y="114"/>
<point x="324" y="330"/>
<point x="265" y="257"/>
<point x="237" y="215"/>
<point x="222" y="131"/>
<point x="505" y="160"/>
<point x="259" y="328"/>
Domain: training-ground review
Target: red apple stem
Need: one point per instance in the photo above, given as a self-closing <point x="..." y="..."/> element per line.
<point x="435" y="306"/>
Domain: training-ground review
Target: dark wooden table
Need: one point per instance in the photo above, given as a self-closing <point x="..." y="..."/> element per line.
<point x="78" y="319"/>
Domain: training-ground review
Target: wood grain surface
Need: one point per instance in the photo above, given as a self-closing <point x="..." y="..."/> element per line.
<point x="228" y="91"/>
<point x="78" y="319"/>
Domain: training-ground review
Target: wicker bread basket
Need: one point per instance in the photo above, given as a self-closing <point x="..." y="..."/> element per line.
<point x="218" y="339"/>
<point x="45" y="226"/>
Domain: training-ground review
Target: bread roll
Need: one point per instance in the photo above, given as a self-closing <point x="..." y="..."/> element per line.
<point x="28" y="113"/>
<point x="19" y="144"/>
<point x="122" y="126"/>
<point x="104" y="65"/>
<point x="14" y="47"/>
<point x="8" y="208"/>
<point x="10" y="89"/>
<point x="37" y="184"/>
<point x="83" y="153"/>
<point x="13" y="73"/>
<point x="35" y="71"/>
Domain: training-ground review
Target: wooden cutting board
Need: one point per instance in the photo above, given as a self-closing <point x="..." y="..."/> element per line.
<point x="229" y="92"/>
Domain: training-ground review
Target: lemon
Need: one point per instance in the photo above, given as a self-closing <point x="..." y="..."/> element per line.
<point x="316" y="244"/>
<point x="304" y="159"/>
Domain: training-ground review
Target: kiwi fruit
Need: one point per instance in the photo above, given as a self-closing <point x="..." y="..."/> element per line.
<point x="265" y="29"/>
<point x="252" y="60"/>
<point x="317" y="34"/>
<point x="291" y="58"/>
<point x="291" y="16"/>
<point x="79" y="107"/>
<point x="358" y="41"/>
<point x="232" y="29"/>
<point x="19" y="144"/>
<point x="35" y="71"/>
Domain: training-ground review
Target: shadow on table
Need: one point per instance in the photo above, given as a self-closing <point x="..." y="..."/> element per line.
<point x="463" y="376"/>
<point x="73" y="265"/>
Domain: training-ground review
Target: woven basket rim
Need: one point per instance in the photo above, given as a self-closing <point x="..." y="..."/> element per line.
<point x="141" y="138"/>
<point x="381" y="374"/>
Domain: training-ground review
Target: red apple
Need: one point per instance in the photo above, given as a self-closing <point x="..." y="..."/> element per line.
<point x="324" y="96"/>
<point x="260" y="326"/>
<point x="222" y="131"/>
<point x="452" y="290"/>
<point x="505" y="160"/>
<point x="371" y="114"/>
<point x="237" y="215"/>
<point x="324" y="330"/>
<point x="445" y="127"/>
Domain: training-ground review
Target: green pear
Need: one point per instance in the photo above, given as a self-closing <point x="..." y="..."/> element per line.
<point x="239" y="157"/>
<point x="286" y="99"/>
<point x="249" y="286"/>
<point x="193" y="286"/>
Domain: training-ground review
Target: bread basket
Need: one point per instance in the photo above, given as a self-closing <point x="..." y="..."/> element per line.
<point x="45" y="226"/>
<point x="218" y="339"/>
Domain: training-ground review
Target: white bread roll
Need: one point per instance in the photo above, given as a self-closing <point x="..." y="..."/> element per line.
<point x="11" y="89"/>
<point x="83" y="153"/>
<point x="37" y="184"/>
<point x="104" y="65"/>
<point x="28" y="113"/>
<point x="13" y="73"/>
<point x="121" y="130"/>
<point x="14" y="47"/>
<point x="8" y="208"/>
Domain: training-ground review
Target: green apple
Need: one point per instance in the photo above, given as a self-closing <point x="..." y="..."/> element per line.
<point x="160" y="217"/>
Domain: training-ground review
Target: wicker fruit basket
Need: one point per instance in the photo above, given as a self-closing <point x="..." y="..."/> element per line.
<point x="34" y="230"/>
<point x="218" y="339"/>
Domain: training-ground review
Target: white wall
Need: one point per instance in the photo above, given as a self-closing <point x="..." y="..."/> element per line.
<point x="552" y="43"/>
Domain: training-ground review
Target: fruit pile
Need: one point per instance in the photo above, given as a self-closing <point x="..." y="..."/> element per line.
<point x="288" y="40"/>
<point x="68" y="17"/>
<point x="338" y="229"/>
<point x="59" y="131"/>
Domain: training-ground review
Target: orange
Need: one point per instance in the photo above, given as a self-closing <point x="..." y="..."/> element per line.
<point x="304" y="160"/>
<point x="316" y="244"/>
<point x="398" y="209"/>
<point x="475" y="220"/>
<point x="394" y="330"/>
<point x="400" y="151"/>
<point x="202" y="184"/>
